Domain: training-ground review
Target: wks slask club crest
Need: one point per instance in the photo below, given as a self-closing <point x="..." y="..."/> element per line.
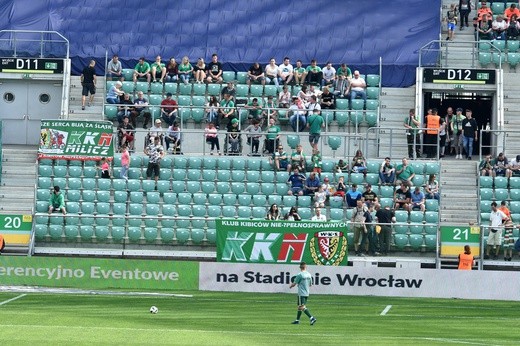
<point x="328" y="247"/>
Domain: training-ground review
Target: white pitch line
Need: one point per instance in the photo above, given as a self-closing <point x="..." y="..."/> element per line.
<point x="10" y="300"/>
<point x="384" y="312"/>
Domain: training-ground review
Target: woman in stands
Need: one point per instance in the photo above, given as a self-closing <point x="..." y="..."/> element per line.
<point x="273" y="213"/>
<point x="199" y="71"/>
<point x="212" y="138"/>
<point x="254" y="132"/>
<point x="212" y="110"/>
<point x="293" y="215"/>
<point x="185" y="70"/>
<point x="485" y="28"/>
<point x="359" y="164"/>
<point x="513" y="31"/>
<point x="432" y="188"/>
<point x="172" y="71"/>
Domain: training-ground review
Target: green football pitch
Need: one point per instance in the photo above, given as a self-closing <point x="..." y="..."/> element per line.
<point x="207" y="318"/>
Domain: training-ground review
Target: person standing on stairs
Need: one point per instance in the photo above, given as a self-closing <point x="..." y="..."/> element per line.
<point x="469" y="133"/>
<point x="451" y="18"/>
<point x="464" y="10"/>
<point x="88" y="82"/>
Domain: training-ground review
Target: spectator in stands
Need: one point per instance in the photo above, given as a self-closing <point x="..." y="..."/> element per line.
<point x="501" y="166"/>
<point x="272" y="136"/>
<point x="510" y="12"/>
<point x="486" y="166"/>
<point x="299" y="73"/>
<point x="499" y="26"/>
<point x="328" y="75"/>
<point x="320" y="197"/>
<point x="369" y="196"/>
<point x="297" y="117"/>
<point x="359" y="164"/>
<point x="233" y="137"/>
<point x="514" y="166"/>
<point x="359" y="216"/>
<point x="387" y="172"/>
<point x="451" y="19"/>
<point x="210" y="132"/>
<point x="504" y="208"/>
<point x="304" y="96"/>
<point x="341" y="188"/>
<point x="273" y="213"/>
<point x="156" y="131"/>
<point x="88" y="83"/>
<point x="513" y="30"/>
<point x="270" y="108"/>
<point x="254" y="132"/>
<point x="285" y="71"/>
<point x="212" y="110"/>
<point x="449" y="134"/>
<point x="226" y="109"/>
<point x="432" y="121"/>
<point x="484" y="10"/>
<point x="312" y="184"/>
<point x="341" y="166"/>
<point x="169" y="109"/>
<point x="296" y="181"/>
<point x="318" y="215"/>
<point x="298" y="159"/>
<point x="140" y="108"/>
<point x="158" y="70"/>
<point x="402" y="197"/>
<point x="185" y="70"/>
<point x="125" y="161"/>
<point x="114" y="93"/>
<point x="432" y="188"/>
<point x="342" y="81"/>
<point x="281" y="160"/>
<point x="255" y="74"/>
<point x="485" y="28"/>
<point x="352" y="196"/>
<point x="315" y="122"/>
<point x="105" y="168"/>
<point x="142" y="70"/>
<point x="344" y="71"/>
<point x="418" y="200"/>
<point x="155" y="152"/>
<point x="293" y="215"/>
<point x="172" y="71"/>
<point x="404" y="173"/>
<point x="173" y="138"/>
<point x="373" y="239"/>
<point x="316" y="161"/>
<point x="284" y="97"/>
<point x="199" y="71"/>
<point x="57" y="201"/>
<point x="271" y="73"/>
<point x="115" y="69"/>
<point x="125" y="107"/>
<point x="327" y="187"/>
<point x="126" y="133"/>
<point x="457" y="141"/>
<point x="255" y="109"/>
<point x="384" y="218"/>
<point x="464" y="10"/>
<point x="413" y="138"/>
<point x="494" y="240"/>
<point x="313" y="74"/>
<point x="442" y="137"/>
<point x="509" y="240"/>
<point x="214" y="71"/>
<point x="357" y="88"/>
<point x="328" y="100"/>
<point x="230" y="90"/>
<point x="469" y="133"/>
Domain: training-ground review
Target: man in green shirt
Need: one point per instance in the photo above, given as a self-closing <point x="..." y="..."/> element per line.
<point x="298" y="158"/>
<point x="405" y="173"/>
<point x="57" y="201"/>
<point x="158" y="70"/>
<point x="411" y="123"/>
<point x="315" y="122"/>
<point x="304" y="281"/>
<point x="272" y="136"/>
<point x="142" y="70"/>
<point x="313" y="73"/>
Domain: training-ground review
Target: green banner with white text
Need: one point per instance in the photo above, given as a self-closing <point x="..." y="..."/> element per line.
<point x="76" y="140"/>
<point x="96" y="273"/>
<point x="284" y="242"/>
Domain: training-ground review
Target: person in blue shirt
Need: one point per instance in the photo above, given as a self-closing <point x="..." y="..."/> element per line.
<point x="418" y="199"/>
<point x="312" y="184"/>
<point x="353" y="195"/>
<point x="296" y="180"/>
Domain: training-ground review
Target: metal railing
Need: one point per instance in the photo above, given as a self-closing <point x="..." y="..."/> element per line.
<point x="23" y="42"/>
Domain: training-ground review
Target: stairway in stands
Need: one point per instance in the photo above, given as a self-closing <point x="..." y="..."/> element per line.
<point x="95" y="111"/>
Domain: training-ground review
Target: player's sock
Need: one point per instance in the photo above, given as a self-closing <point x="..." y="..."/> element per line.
<point x="298" y="315"/>
<point x="307" y="312"/>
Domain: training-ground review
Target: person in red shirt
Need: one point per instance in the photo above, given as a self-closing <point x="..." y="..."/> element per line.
<point x="484" y="10"/>
<point x="466" y="259"/>
<point x="509" y="12"/>
<point x="169" y="109"/>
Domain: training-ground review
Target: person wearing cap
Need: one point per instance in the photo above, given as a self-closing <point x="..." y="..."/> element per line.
<point x="456" y="130"/>
<point x="234" y="137"/>
<point x="352" y="196"/>
<point x="155" y="152"/>
<point x="169" y="109"/>
<point x="115" y="69"/>
<point x="469" y="133"/>
<point x="328" y="75"/>
<point x="57" y="201"/>
<point x="369" y="196"/>
<point x="156" y="131"/>
<point x="114" y="93"/>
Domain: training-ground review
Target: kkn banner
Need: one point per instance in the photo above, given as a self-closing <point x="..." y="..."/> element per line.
<point x="261" y="241"/>
<point x="75" y="140"/>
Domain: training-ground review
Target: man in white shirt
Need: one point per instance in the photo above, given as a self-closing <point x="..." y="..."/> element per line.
<point x="357" y="88"/>
<point x="496" y="218"/>
<point x="285" y="71"/>
<point x="329" y="75"/>
<point x="319" y="216"/>
<point x="115" y="69"/>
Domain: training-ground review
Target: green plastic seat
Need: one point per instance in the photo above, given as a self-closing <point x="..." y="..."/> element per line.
<point x="486" y="194"/>
<point x="486" y="181"/>
<point x="213" y="89"/>
<point x="500" y="183"/>
<point x="293" y="141"/>
<point x="341" y="104"/>
<point x="244" y="212"/>
<point x="431" y="217"/>
<point x="430" y="240"/>
<point x="102" y="208"/>
<point x="432" y="205"/>
<point x="252" y="188"/>
<point x="267" y="189"/>
<point x="101" y="233"/>
<point x="334" y="142"/>
<point x="372" y="80"/>
<point x="86" y="232"/>
<point x="484" y="58"/>
<point x="416" y="216"/>
<point x="400" y="241"/>
<point x="134" y="234"/>
<point x="501" y="195"/>
<point x="416" y="241"/>
<point x="513" y="59"/>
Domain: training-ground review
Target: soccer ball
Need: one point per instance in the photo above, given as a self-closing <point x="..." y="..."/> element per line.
<point x="154" y="309"/>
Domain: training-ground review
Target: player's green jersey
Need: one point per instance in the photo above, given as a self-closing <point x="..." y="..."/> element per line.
<point x="304" y="281"/>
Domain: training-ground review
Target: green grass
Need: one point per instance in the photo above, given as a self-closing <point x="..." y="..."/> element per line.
<point x="253" y="319"/>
